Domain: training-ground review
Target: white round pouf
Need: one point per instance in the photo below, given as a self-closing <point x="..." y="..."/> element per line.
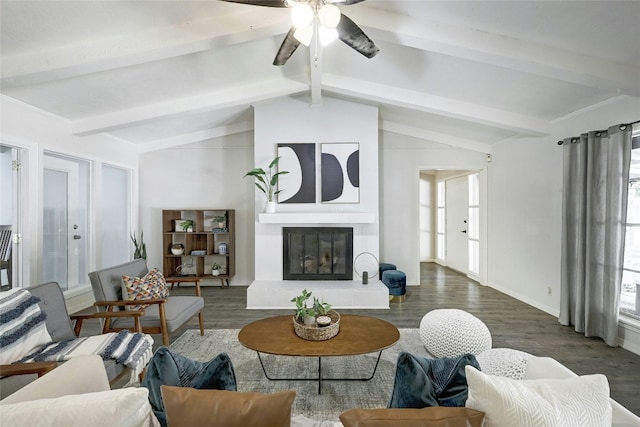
<point x="452" y="332"/>
<point x="504" y="362"/>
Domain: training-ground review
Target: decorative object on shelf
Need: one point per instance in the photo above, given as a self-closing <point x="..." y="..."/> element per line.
<point x="222" y="248"/>
<point x="310" y="323"/>
<point x="199" y="252"/>
<point x="366" y="266"/>
<point x="187" y="225"/>
<point x="140" y="250"/>
<point x="215" y="269"/>
<point x="177" y="249"/>
<point x="267" y="182"/>
<point x="220" y="220"/>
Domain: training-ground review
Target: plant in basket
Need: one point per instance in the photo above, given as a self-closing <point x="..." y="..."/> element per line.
<point x="322" y="310"/>
<point x="304" y="314"/>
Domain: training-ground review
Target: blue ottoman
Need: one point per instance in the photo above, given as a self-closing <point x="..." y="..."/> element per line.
<point x="384" y="267"/>
<point x="396" y="281"/>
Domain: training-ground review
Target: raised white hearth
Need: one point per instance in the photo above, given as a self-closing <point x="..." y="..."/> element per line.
<point x="341" y="294"/>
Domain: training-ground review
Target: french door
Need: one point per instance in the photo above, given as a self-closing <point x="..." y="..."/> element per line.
<point x="65" y="249"/>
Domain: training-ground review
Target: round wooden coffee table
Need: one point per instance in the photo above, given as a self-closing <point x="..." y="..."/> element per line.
<point x="357" y="335"/>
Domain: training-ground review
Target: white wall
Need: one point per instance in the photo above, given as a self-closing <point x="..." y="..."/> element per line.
<point x="35" y="131"/>
<point x="525" y="209"/>
<point x="201" y="175"/>
<point x="295" y="120"/>
<point x="401" y="160"/>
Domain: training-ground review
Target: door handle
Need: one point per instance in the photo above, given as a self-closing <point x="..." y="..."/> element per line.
<point x="77" y="237"/>
<point x="463" y="231"/>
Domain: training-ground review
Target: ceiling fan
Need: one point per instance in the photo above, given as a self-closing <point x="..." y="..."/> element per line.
<point x="329" y="17"/>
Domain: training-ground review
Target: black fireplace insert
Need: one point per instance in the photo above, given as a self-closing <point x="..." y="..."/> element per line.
<point x="317" y="253"/>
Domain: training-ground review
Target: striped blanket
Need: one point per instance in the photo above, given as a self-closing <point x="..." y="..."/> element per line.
<point x="22" y="325"/>
<point x="133" y="350"/>
<point x="24" y="338"/>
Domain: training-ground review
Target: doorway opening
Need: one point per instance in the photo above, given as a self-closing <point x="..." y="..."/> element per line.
<point x="452" y="224"/>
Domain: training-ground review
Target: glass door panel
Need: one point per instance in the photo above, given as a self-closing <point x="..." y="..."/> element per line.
<point x="65" y="221"/>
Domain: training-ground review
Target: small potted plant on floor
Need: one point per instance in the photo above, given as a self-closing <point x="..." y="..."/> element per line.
<point x="215" y="269"/>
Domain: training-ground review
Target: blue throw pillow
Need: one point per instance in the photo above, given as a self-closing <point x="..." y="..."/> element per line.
<point x="421" y="382"/>
<point x="173" y="369"/>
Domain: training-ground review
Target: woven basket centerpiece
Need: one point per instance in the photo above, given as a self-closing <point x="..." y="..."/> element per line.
<point x="318" y="333"/>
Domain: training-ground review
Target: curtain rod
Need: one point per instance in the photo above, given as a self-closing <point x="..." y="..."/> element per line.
<point x="622" y="127"/>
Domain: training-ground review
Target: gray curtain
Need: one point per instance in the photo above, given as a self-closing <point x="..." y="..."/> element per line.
<point x="594" y="212"/>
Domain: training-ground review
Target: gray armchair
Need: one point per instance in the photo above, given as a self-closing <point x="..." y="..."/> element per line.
<point x="161" y="316"/>
<point x="59" y="326"/>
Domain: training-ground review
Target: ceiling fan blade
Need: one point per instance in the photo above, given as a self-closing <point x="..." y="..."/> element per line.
<point x="268" y="3"/>
<point x="354" y="37"/>
<point x="288" y="46"/>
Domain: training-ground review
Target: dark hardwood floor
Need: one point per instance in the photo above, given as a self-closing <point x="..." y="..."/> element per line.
<point x="512" y="323"/>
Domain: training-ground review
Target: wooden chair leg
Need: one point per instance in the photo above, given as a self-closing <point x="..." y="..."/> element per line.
<point x="163" y="326"/>
<point x="201" y="319"/>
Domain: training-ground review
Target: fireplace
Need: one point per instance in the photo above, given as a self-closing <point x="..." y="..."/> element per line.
<point x="317" y="253"/>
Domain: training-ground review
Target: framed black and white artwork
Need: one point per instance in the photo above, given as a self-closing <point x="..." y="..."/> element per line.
<point x="340" y="172"/>
<point x="299" y="185"/>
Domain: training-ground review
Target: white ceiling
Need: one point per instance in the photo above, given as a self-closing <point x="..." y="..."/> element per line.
<point x="467" y="74"/>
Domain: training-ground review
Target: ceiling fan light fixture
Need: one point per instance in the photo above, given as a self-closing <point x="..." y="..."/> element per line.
<point x="327" y="35"/>
<point x="301" y="16"/>
<point x="304" y="35"/>
<point x="329" y="16"/>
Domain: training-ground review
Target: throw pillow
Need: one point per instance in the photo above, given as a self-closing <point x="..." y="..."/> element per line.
<point x="504" y="362"/>
<point x="425" y="417"/>
<point x="126" y="407"/>
<point x="151" y="286"/>
<point x="173" y="369"/>
<point x="23" y="329"/>
<point x="421" y="382"/>
<point x="576" y="402"/>
<point x="188" y="407"/>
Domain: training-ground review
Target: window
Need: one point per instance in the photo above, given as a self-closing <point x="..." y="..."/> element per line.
<point x="116" y="216"/>
<point x="440" y="221"/>
<point x="630" y="292"/>
<point x="474" y="223"/>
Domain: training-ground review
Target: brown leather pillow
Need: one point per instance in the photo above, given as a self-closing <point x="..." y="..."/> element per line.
<point x="433" y="416"/>
<point x="188" y="407"/>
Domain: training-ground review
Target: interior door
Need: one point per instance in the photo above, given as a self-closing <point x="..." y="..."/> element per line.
<point x="64" y="222"/>
<point x="457" y="211"/>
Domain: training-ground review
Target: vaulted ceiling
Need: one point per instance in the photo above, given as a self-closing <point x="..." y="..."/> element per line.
<point x="464" y="73"/>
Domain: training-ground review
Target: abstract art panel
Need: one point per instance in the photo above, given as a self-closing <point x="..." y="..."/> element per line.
<point x="340" y="173"/>
<point x="299" y="184"/>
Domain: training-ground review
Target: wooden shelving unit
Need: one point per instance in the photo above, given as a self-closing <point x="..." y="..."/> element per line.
<point x="205" y="239"/>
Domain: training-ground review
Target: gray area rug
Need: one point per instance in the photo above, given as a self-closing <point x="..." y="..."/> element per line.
<point x="337" y="396"/>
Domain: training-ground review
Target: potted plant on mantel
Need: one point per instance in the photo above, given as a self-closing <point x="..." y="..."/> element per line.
<point x="267" y="182"/>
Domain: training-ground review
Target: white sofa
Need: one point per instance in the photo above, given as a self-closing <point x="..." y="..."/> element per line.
<point x="548" y="368"/>
<point x="47" y="401"/>
<point x="77" y="393"/>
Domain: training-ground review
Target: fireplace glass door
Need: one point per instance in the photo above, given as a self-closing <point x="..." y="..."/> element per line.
<point x="317" y="253"/>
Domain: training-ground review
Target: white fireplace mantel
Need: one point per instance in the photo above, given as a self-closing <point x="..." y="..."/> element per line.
<point x="317" y="218"/>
